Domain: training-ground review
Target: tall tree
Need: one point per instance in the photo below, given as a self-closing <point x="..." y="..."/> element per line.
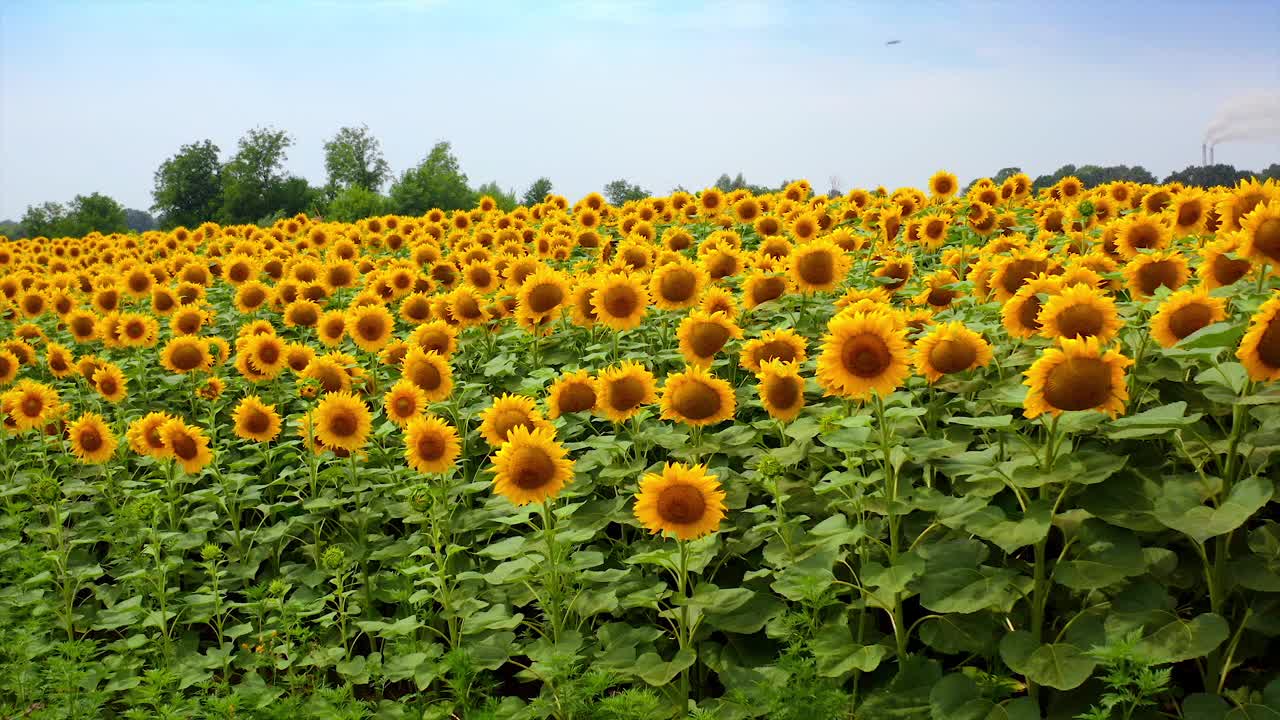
<point x="436" y="182"/>
<point x="87" y="213"/>
<point x="188" y="186"/>
<point x="356" y="203"/>
<point x="620" y="191"/>
<point x="47" y="219"/>
<point x="139" y="220"/>
<point x="353" y="158"/>
<point x="506" y="199"/>
<point x="1209" y="175"/>
<point x="537" y="192"/>
<point x="254" y="176"/>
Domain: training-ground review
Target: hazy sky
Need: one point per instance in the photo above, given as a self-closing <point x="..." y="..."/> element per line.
<point x="95" y="95"/>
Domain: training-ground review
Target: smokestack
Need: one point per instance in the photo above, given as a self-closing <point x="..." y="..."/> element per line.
<point x="1211" y="147"/>
<point x="1204" y="154"/>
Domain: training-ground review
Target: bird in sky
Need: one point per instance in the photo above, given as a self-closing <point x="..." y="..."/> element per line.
<point x="893" y="42"/>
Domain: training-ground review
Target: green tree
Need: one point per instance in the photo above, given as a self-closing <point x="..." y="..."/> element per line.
<point x="87" y="213"/>
<point x="1271" y="172"/>
<point x="436" y="182"/>
<point x="353" y="158"/>
<point x="139" y="220"/>
<point x="506" y="199"/>
<point x="188" y="186"/>
<point x="252" y="181"/>
<point x="48" y="219"/>
<point x="620" y="191"/>
<point x="1209" y="175"/>
<point x="356" y="203"/>
<point x="537" y="192"/>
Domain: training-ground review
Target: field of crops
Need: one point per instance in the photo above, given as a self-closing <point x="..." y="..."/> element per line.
<point x="991" y="453"/>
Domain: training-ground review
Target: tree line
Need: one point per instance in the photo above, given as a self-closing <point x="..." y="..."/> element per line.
<point x="196" y="185"/>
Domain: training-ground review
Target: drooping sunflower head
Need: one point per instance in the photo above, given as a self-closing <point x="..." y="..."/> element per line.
<point x="781" y="389"/>
<point x="1080" y="311"/>
<point x="256" y="421"/>
<point x="186" y="444"/>
<point x="896" y="271"/>
<point x="431" y="445"/>
<point x="702" y="335"/>
<point x="1077" y="375"/>
<point x="683" y="500"/>
<point x="936" y="293"/>
<point x="1021" y="313"/>
<point x="342" y="420"/>
<point x="507" y="413"/>
<point x="1219" y="264"/>
<point x="763" y="286"/>
<point x="696" y="397"/>
<point x="1148" y="272"/>
<point x="782" y="344"/>
<point x="863" y="353"/>
<point x="623" y="389"/>
<point x="948" y="349"/>
<point x="430" y="371"/>
<point x="572" y="392"/>
<point x="531" y="466"/>
<point x="1259" y="351"/>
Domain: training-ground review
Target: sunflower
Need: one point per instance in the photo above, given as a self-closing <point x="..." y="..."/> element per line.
<point x="136" y="330"/>
<point x="251" y="296"/>
<point x="1183" y="313"/>
<point x="506" y="413"/>
<point x="1142" y="232"/>
<point x="1261" y="232"/>
<point x="430" y="371"/>
<point x="702" y="335"/>
<point x="331" y="327"/>
<point x="861" y="354"/>
<point x="404" y="402"/>
<point x="32" y="404"/>
<point x="572" y="392"/>
<point x="342" y="421"/>
<point x="541" y="295"/>
<point x="677" y="285"/>
<point x="329" y="372"/>
<point x="83" y="326"/>
<point x="696" y="397"/>
<point x="717" y="299"/>
<point x="950" y="348"/>
<point x="91" y="440"/>
<point x="1241" y="201"/>
<point x="297" y="356"/>
<point x="683" y="500"/>
<point x="1259" y="351"/>
<point x="255" y="420"/>
<point x="186" y="354"/>
<point x="188" y="445"/>
<point x="9" y="366"/>
<point x="1148" y="272"/>
<point x="1077" y="375"/>
<point x="264" y="353"/>
<point x="620" y="302"/>
<point x="1014" y="270"/>
<point x="761" y="287"/>
<point x="623" y="389"/>
<point x="781" y="389"/>
<point x="782" y="344"/>
<point x="896" y="270"/>
<point x="1217" y="269"/>
<point x="818" y="266"/>
<point x="935" y="293"/>
<point x="57" y="357"/>
<point x="436" y="336"/>
<point x="415" y="308"/>
<point x="144" y="435"/>
<point x="110" y="383"/>
<point x="431" y="445"/>
<point x="370" y="326"/>
<point x="1021" y="313"/>
<point x="188" y="320"/>
<point x="1079" y="311"/>
<point x="1190" y="212"/>
<point x="212" y="388"/>
<point x="531" y="466"/>
<point x="302" y="313"/>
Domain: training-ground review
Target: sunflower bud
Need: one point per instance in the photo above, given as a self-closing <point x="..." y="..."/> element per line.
<point x="46" y="489"/>
<point x="334" y="558"/>
<point x="210" y="552"/>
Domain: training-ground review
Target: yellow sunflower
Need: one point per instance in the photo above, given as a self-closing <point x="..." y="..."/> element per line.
<point x="761" y="287"/>
<point x="1148" y="272"/>
<point x="110" y="383"/>
<point x="331" y="327"/>
<point x="343" y="421"/>
<point x="507" y="413"/>
<point x="370" y="327"/>
<point x="1080" y="311"/>
<point x="623" y="389"/>
<point x="1077" y="375"/>
<point x="696" y="397"/>
<point x="783" y="344"/>
<point x="91" y="440"/>
<point x="950" y="348"/>
<point x="1183" y="313"/>
<point x="145" y="438"/>
<point x="677" y="285"/>
<point x="683" y="500"/>
<point x="188" y="445"/>
<point x="943" y="185"/>
<point x="531" y="466"/>
<point x="1259" y="350"/>
<point x="404" y="402"/>
<point x="431" y="445"/>
<point x="1142" y="232"/>
<point x="781" y="389"/>
<point x="1217" y="267"/>
<point x="572" y="392"/>
<point x="1021" y="313"/>
<point x="701" y="335"/>
<point x="255" y="420"/>
<point x="542" y="294"/>
<point x="1260" y="230"/>
<point x="430" y="371"/>
<point x="717" y="299"/>
<point x="620" y="302"/>
<point x="861" y="354"/>
<point x="818" y="266"/>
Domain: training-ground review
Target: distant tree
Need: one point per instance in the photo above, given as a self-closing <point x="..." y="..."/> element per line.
<point x="254" y="177"/>
<point x="47" y="219"/>
<point x="506" y="199"/>
<point x="12" y="229"/>
<point x="139" y="220"/>
<point x="1271" y="172"/>
<point x="1005" y="173"/>
<point x="353" y="158"/>
<point x="436" y="182"/>
<point x="537" y="192"/>
<point x="1209" y="175"/>
<point x="295" y="195"/>
<point x="1094" y="175"/>
<point x="188" y="186"/>
<point x="356" y="203"/>
<point x="87" y="213"/>
<point x="620" y="191"/>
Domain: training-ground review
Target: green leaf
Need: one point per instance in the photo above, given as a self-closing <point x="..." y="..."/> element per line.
<point x="957" y="697"/>
<point x="838" y="655"/>
<point x="967" y="590"/>
<point x="1178" y="639"/>
<point x="1180" y="508"/>
<point x="495" y="617"/>
<point x="990" y="524"/>
<point x="1217" y="335"/>
<point x="1105" y="555"/>
<point x="1057" y="665"/>
<point x="992" y="422"/>
<point x="1154" y="422"/>
<point x="657" y="672"/>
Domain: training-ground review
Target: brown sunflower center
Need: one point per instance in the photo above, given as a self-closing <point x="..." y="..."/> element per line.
<point x="1226" y="271"/>
<point x="425" y="375"/>
<point x="939" y="297"/>
<point x="465" y="306"/>
<point x="1079" y="321"/>
<point x="770" y="288"/>
<point x="782" y="392"/>
<point x="1269" y="344"/>
<point x="403" y="406"/>
<point x="706" y="338"/>
<point x="1019" y="271"/>
<point x="507" y="420"/>
<point x="1144" y="236"/>
<point x="816" y="268"/>
<point x="108" y="385"/>
<point x="1078" y="384"/>
<point x="620" y="301"/>
<point x="677" y="285"/>
<point x="343" y="423"/>
<point x="1189" y="214"/>
<point x="952" y="355"/>
<point x="681" y="504"/>
<point x="430" y="446"/>
<point x="942" y="186"/>
<point x="135" y="329"/>
<point x="90" y="439"/>
<point x="531" y="467"/>
<point x="257" y="422"/>
<point x="268" y="354"/>
<point x="184" y="446"/>
<point x="187" y="357"/>
<point x="303" y="315"/>
<point x="577" y="397"/>
<point x="253" y="297"/>
<point x="32" y="406"/>
<point x="865" y="355"/>
<point x="371" y="327"/>
<point x="1189" y="318"/>
<point x="1156" y="274"/>
<point x="626" y="393"/>
<point x="82" y="326"/>
<point x="775" y="350"/>
<point x="545" y="297"/>
<point x="1266" y="238"/>
<point x="1029" y="313"/>
<point x="695" y="400"/>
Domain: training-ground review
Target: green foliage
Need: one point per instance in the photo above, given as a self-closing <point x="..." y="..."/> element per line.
<point x="1093" y="175"/>
<point x="436" y="182"/>
<point x="1132" y="680"/>
<point x="353" y="158"/>
<point x="1209" y="175"/>
<point x="537" y="192"/>
<point x="253" y="180"/>
<point x="356" y="203"/>
<point x="506" y="199"/>
<point x="188" y="186"/>
<point x="83" y="215"/>
<point x="620" y="191"/>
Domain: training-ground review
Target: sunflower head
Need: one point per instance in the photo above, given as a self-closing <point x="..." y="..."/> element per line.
<point x="1079" y="311"/>
<point x="1261" y="233"/>
<point x="431" y="445"/>
<point x="782" y="344"/>
<point x="531" y="466"/>
<point x="144" y="435"/>
<point x="343" y="421"/>
<point x="1259" y="351"/>
<point x="696" y="397"/>
<point x="187" y="445"/>
<point x="683" y="500"/>
<point x="701" y="335"/>
<point x="404" y="402"/>
<point x="781" y="389"/>
<point x="91" y="440"/>
<point x="572" y="392"/>
<point x="507" y="413"/>
<point x="430" y="371"/>
<point x="255" y="420"/>
<point x="948" y="349"/>
<point x="1148" y="272"/>
<point x="622" y="390"/>
<point x="1077" y="375"/>
<point x="863" y="353"/>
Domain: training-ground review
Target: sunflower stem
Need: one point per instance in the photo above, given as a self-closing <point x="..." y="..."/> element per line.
<point x="553" y="610"/>
<point x="683" y="635"/>
<point x="891" y="513"/>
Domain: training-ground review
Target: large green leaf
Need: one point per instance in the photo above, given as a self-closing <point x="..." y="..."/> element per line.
<point x="1154" y="422"/>
<point x="1181" y="508"/>
<point x="1057" y="665"/>
<point x="957" y="697"/>
<point x="837" y="654"/>
<point x="967" y="590"/>
<point x="1105" y="555"/>
<point x="652" y="669"/>
<point x="991" y="524"/>
<point x="1177" y="639"/>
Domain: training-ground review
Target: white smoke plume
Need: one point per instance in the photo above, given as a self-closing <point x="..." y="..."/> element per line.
<point x="1251" y="117"/>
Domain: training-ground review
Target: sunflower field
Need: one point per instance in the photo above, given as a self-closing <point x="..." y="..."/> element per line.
<point x="996" y="453"/>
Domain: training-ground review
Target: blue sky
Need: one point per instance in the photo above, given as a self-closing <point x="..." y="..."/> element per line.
<point x="94" y="95"/>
